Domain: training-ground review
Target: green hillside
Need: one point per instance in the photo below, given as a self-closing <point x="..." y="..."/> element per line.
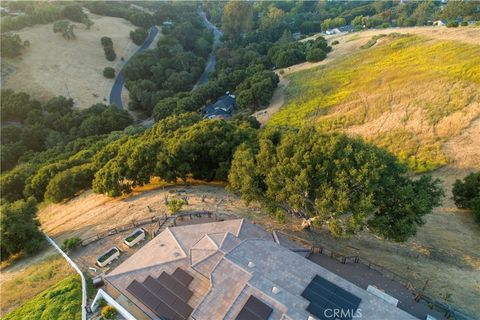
<point x="61" y="301"/>
<point x="406" y="93"/>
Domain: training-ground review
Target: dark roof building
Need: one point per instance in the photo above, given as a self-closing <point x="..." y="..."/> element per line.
<point x="222" y="108"/>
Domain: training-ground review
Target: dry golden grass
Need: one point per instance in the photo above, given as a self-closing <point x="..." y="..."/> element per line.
<point x="24" y="284"/>
<point x="408" y="94"/>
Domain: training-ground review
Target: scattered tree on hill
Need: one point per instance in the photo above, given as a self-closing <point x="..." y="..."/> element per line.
<point x="107" y="44"/>
<point x="257" y="90"/>
<point x="110" y="53"/>
<point x="67" y="183"/>
<point x="109" y="72"/>
<point x="237" y="18"/>
<point x="315" y="55"/>
<point x="333" y="23"/>
<point x="466" y="193"/>
<point x="11" y="45"/>
<point x="138" y="36"/>
<point x="177" y="147"/>
<point x="332" y="180"/>
<point x="19" y="228"/>
<point x="452" y="24"/>
<point x="74" y="12"/>
<point x="65" y="28"/>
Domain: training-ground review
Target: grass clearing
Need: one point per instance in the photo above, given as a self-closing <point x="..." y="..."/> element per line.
<point x="25" y="284"/>
<point x="409" y="95"/>
<point x="53" y="66"/>
<point x="61" y="301"/>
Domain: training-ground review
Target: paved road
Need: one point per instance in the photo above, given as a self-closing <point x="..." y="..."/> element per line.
<point x="116" y="93"/>
<point x="212" y="60"/>
<point x="208" y="68"/>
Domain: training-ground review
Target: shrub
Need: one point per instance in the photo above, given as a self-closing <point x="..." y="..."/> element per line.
<point x="11" y="45"/>
<point x="102" y="303"/>
<point x="334" y="43"/>
<point x="109" y="312"/>
<point x="466" y="193"/>
<point x="315" y="55"/>
<point x="65" y="28"/>
<point x="19" y="228"/>
<point x="175" y="205"/>
<point x="106" y="42"/>
<point x="464" y="23"/>
<point x="74" y="12"/>
<point x="71" y="243"/>
<point x="110" y="53"/>
<point x="452" y="24"/>
<point x="138" y="36"/>
<point x="109" y="72"/>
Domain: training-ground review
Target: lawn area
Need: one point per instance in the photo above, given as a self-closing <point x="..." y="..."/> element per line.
<point x="61" y="301"/>
<point x="406" y="93"/>
<point x="20" y="286"/>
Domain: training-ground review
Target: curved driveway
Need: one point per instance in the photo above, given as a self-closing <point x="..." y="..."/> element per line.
<point x="216" y="43"/>
<point x="116" y="93"/>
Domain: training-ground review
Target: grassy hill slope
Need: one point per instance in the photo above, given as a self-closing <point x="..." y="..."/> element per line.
<point x="61" y="301"/>
<point x="408" y="94"/>
<point x="18" y="286"/>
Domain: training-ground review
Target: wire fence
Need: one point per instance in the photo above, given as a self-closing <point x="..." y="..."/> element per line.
<point x="159" y="220"/>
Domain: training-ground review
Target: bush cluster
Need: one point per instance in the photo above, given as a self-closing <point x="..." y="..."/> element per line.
<point x="107" y="44"/>
<point x="109" y="72"/>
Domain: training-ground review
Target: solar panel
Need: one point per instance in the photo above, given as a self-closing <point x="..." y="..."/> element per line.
<point x="136" y="289"/>
<point x="182" y="276"/>
<point x="174" y="286"/>
<point x="182" y="308"/>
<point x="159" y="299"/>
<point x="254" y="309"/>
<point x="247" y="315"/>
<point x="325" y="295"/>
<point x="161" y="292"/>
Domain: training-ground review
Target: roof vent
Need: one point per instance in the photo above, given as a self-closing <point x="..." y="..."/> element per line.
<point x="275" y="290"/>
<point x="251" y="264"/>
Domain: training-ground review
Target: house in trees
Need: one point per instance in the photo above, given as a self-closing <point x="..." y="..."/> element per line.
<point x="222" y="108"/>
<point x="342" y="29"/>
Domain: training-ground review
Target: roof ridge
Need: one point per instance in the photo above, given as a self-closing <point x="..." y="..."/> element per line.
<point x="211" y="240"/>
<point x="112" y="276"/>
<point x="176" y="240"/>
<point x="200" y="261"/>
<point x="240" y="227"/>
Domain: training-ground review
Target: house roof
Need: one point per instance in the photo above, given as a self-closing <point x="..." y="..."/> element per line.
<point x="231" y="261"/>
<point x="223" y="106"/>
